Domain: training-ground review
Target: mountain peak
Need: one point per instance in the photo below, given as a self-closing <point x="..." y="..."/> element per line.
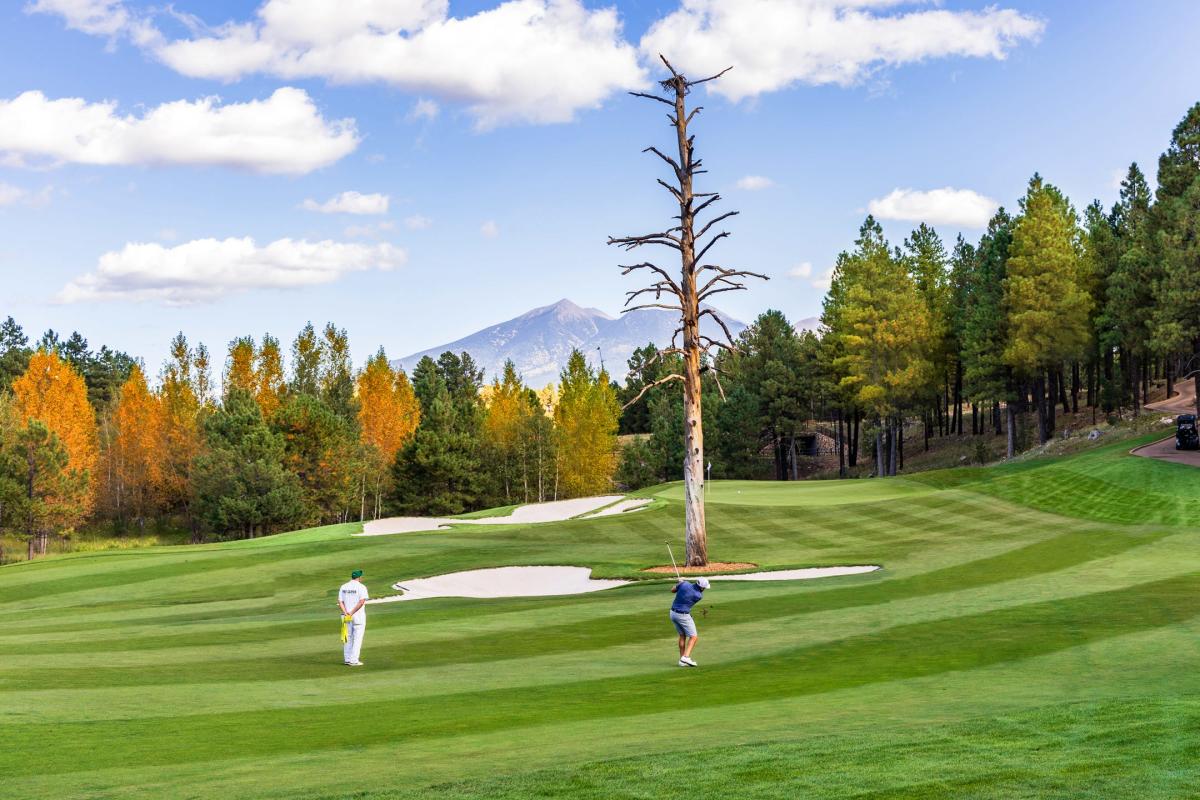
<point x="540" y="341"/>
<point x="565" y="309"/>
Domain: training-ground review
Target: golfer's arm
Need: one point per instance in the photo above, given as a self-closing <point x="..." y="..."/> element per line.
<point x="361" y="603"/>
<point x="675" y="588"/>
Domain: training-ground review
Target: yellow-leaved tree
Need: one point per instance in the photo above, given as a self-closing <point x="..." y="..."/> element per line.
<point x="136" y="450"/>
<point x="585" y="420"/>
<point x="182" y="439"/>
<point x="239" y="366"/>
<point x="269" y="377"/>
<point x="503" y="428"/>
<point x="388" y="415"/>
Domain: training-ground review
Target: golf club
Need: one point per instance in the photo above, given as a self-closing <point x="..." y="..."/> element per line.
<point x="673" y="564"/>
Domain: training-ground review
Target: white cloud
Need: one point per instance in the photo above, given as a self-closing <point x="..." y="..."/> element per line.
<point x="99" y="17"/>
<point x="424" y="109"/>
<point x="283" y="134"/>
<point x="773" y="44"/>
<point x="417" y="222"/>
<point x="947" y="206"/>
<point x="489" y="229"/>
<point x="207" y="269"/>
<point x="754" y="183"/>
<point x="349" y="203"/>
<point x="537" y="61"/>
<point x="824" y="280"/>
<point x="802" y="270"/>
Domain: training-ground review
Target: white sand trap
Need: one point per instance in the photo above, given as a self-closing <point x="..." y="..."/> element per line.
<point x="503" y="582"/>
<point x="556" y="511"/>
<point x="623" y="507"/>
<point x="795" y="574"/>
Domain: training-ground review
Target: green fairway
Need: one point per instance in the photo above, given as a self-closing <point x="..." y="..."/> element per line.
<point x="803" y="493"/>
<point x="1033" y="633"/>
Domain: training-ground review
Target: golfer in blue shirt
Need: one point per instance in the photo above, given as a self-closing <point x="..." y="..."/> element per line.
<point x="687" y="594"/>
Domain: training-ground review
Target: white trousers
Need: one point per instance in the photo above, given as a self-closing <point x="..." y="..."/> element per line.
<point x="354" y="639"/>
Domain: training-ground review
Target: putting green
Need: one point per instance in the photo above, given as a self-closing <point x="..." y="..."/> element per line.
<point x="1029" y="636"/>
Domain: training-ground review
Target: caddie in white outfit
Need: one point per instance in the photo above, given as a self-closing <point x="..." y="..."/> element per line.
<point x="352" y="599"/>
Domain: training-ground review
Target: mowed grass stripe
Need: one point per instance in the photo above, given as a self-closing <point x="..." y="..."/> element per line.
<point x="1038" y="558"/>
<point x="921" y="650"/>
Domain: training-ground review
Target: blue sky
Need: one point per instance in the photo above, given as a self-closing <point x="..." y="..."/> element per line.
<point x="502" y="190"/>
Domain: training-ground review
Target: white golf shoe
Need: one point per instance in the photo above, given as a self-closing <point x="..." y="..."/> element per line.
<point x="354" y="664"/>
<point x="687" y="662"/>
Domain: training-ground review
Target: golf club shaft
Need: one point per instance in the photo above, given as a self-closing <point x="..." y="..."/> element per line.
<point x="673" y="564"/>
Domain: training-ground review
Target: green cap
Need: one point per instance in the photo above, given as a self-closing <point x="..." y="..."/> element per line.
<point x="356" y="574"/>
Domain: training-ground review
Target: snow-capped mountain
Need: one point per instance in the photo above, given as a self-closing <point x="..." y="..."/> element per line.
<point x="540" y="341"/>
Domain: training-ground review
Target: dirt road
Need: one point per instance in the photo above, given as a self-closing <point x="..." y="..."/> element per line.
<point x="1184" y="402"/>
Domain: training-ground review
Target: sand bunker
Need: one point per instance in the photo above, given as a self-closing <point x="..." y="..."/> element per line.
<point x="503" y="582"/>
<point x="623" y="507"/>
<point x="556" y="511"/>
<point x="550" y="581"/>
<point x="796" y="574"/>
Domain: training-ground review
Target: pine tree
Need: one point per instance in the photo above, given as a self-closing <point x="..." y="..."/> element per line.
<point x="883" y="326"/>
<point x="1045" y="298"/>
<point x="306" y="362"/>
<point x="1130" y="279"/>
<point x="14" y="353"/>
<point x="319" y="449"/>
<point x="239" y="482"/>
<point x="986" y="378"/>
<point x="336" y="379"/>
<point x="1175" y="225"/>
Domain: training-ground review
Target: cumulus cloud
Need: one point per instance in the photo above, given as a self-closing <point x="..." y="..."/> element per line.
<point x="283" y="134"/>
<point x="947" y="206"/>
<point x="349" y="203"/>
<point x="417" y="222"/>
<point x="98" y="17"/>
<point x="208" y="269"/>
<point x="802" y="270"/>
<point x="824" y="280"/>
<point x="773" y="44"/>
<point x="754" y="183"/>
<point x="489" y="229"/>
<point x="534" y="61"/>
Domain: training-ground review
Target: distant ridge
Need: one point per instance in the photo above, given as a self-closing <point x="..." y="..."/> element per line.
<point x="540" y="341"/>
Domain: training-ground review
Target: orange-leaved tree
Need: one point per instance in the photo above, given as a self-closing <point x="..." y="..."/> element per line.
<point x="52" y="392"/>
<point x="388" y="415"/>
<point x="182" y="439"/>
<point x="137" y="450"/>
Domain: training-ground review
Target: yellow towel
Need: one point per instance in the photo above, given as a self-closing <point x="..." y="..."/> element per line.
<point x="345" y="631"/>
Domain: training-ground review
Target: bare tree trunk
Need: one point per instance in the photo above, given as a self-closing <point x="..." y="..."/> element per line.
<point x="689" y="294"/>
<point x="841" y="445"/>
<point x="1012" y="430"/>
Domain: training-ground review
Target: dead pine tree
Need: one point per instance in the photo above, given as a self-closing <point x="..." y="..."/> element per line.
<point x="697" y="282"/>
